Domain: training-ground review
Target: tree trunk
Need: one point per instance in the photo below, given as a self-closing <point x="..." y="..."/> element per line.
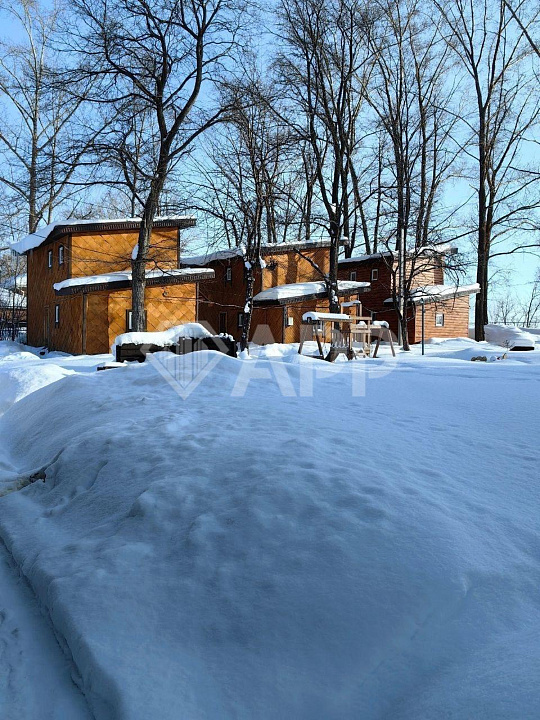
<point x="248" y="308"/>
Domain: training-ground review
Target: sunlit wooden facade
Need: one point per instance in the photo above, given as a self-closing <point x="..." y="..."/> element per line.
<point x="87" y="319"/>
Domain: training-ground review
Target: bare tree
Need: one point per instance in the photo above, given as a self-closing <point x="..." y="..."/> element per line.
<point x="412" y="97"/>
<point x="323" y="70"/>
<point x="497" y="60"/>
<point x="245" y="187"/>
<point x="531" y="306"/>
<point x="42" y="136"/>
<point x="152" y="60"/>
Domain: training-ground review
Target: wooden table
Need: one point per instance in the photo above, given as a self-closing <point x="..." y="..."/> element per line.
<point x="342" y="337"/>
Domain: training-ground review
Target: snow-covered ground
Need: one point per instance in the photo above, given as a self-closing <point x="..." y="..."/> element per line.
<point x="277" y="537"/>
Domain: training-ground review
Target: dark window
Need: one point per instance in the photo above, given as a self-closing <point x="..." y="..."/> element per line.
<point x="375" y="274"/>
<point x="222" y="322"/>
<point x="49" y="259"/>
<point x="228" y="274"/>
<point x="61" y="255"/>
<point x="240" y="319"/>
<point x="56" y="315"/>
<point x="352" y="275"/>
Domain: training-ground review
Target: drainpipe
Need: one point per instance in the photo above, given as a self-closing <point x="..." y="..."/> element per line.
<point x="423" y="325"/>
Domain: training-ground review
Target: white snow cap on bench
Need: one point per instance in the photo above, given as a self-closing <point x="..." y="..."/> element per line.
<point x="163" y="338"/>
<point x="380" y="324"/>
<point x="316" y="316"/>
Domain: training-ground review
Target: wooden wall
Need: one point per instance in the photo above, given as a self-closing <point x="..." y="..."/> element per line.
<point x="228" y="298"/>
<point x="456" y="312"/>
<point x="86" y="254"/>
<point x="456" y="319"/>
<point x="108" y="252"/>
<point x="42" y="298"/>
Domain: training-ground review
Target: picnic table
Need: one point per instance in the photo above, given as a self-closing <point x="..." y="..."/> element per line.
<point x="344" y="331"/>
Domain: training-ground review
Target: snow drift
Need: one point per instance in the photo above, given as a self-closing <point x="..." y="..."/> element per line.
<point x="510" y="337"/>
<point x="259" y="556"/>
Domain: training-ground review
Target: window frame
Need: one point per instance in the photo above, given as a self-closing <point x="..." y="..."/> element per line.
<point x="228" y="274"/>
<point x="240" y="320"/>
<point x="57" y="315"/>
<point x="50" y="258"/>
<point x="61" y="254"/>
<point x="437" y="316"/>
<point x="374" y="274"/>
<point x="129" y="320"/>
<point x="352" y="276"/>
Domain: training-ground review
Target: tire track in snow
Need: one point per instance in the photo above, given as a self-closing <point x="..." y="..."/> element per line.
<point x="35" y="680"/>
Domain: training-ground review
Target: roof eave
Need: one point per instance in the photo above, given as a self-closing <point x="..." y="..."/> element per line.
<point x="126" y="284"/>
<point x="280" y="302"/>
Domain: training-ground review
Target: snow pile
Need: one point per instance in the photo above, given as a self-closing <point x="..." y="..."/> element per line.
<point x="317" y="316"/>
<point x="510" y="337"/>
<point x="237" y="555"/>
<point x="163" y="338"/>
<point x="19" y="378"/>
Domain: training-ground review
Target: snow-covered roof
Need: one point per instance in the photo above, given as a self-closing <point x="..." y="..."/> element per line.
<point x="123" y="279"/>
<point x="439" y="293"/>
<point x="273" y="248"/>
<point x="62" y="227"/>
<point x="434" y="249"/>
<point x="296" y="292"/>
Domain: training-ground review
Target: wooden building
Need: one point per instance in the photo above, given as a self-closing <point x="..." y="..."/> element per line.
<point x="446" y="306"/>
<point x="79" y="282"/>
<point x="288" y="285"/>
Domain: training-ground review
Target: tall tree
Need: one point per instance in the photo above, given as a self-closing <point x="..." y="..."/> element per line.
<point x="245" y="182"/>
<point x="42" y="136"/>
<point x="412" y="97"/>
<point x="153" y="59"/>
<point x="323" y="70"/>
<point x="497" y="60"/>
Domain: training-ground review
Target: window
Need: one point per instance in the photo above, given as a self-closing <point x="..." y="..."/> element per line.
<point x="56" y="315"/>
<point x="240" y="320"/>
<point x="352" y="275"/>
<point x="49" y="259"/>
<point x="129" y="320"/>
<point x="61" y="255"/>
<point x="289" y="320"/>
<point x="222" y="322"/>
<point x="228" y="274"/>
<point x="375" y="274"/>
<point x="439" y="320"/>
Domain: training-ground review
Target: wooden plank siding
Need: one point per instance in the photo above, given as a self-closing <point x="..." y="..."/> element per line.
<point x="228" y="299"/>
<point x="456" y="311"/>
<point x="94" y="254"/>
